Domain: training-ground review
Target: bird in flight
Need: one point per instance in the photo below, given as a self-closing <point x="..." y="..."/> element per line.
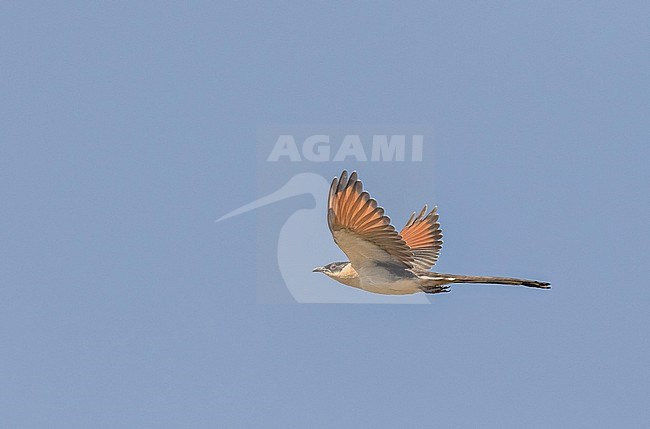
<point x="381" y="259"/>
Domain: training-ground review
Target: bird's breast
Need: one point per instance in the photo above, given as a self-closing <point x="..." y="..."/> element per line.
<point x="387" y="280"/>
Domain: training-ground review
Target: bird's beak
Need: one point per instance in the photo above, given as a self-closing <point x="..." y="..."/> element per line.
<point x="318" y="270"/>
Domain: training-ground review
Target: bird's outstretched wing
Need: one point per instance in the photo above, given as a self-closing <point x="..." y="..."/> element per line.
<point x="423" y="236"/>
<point x="361" y="229"/>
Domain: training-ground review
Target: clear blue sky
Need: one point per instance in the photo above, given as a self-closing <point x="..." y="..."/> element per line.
<point x="126" y="129"/>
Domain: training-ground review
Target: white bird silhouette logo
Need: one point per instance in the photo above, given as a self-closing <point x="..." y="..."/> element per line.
<point x="303" y="242"/>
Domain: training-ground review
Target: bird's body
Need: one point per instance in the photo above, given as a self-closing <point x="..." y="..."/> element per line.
<point x="377" y="279"/>
<point x="382" y="260"/>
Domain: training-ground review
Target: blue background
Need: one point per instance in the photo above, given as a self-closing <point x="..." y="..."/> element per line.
<point x="126" y="129"/>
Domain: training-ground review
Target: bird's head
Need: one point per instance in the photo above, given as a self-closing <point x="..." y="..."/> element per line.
<point x="333" y="269"/>
<point x="342" y="272"/>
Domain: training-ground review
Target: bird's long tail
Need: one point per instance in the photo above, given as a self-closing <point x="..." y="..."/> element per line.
<point x="455" y="278"/>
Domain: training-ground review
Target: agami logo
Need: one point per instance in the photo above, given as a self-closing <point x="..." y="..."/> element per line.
<point x="304" y="240"/>
<point x="322" y="148"/>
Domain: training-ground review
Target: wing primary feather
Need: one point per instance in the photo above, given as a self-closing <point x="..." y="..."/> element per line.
<point x="410" y="221"/>
<point x="353" y="177"/>
<point x="350" y="195"/>
<point x="424" y="210"/>
<point x="362" y="209"/>
<point x="343" y="180"/>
